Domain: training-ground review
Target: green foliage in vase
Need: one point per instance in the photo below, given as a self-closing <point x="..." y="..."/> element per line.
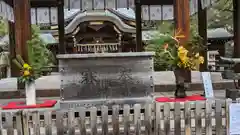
<point x="163" y="62"/>
<point x="39" y="56"/>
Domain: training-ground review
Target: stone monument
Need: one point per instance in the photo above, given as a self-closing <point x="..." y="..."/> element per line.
<point x="106" y="78"/>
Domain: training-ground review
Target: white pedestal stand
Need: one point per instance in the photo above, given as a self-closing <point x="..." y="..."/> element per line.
<point x="30" y="93"/>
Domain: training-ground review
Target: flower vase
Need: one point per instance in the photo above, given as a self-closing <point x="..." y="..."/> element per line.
<point x="30" y="89"/>
<point x="182" y="77"/>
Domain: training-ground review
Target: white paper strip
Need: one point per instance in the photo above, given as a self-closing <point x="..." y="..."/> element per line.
<point x="156" y="12"/>
<point x="11" y="15"/>
<point x="131" y="3"/>
<point x="87" y="5"/>
<point x="43" y="16"/>
<point x="193" y="6"/>
<point x="110" y="3"/>
<point x="122" y="3"/>
<point x="145" y="13"/>
<point x="168" y="12"/>
<point x="75" y="4"/>
<point x="3" y="9"/>
<point x="33" y="16"/>
<point x="54" y="17"/>
<point x="99" y="4"/>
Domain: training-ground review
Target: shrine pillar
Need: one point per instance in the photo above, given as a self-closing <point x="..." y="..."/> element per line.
<point x="202" y="30"/>
<point x="236" y="28"/>
<point x="22" y="27"/>
<point x="182" y="24"/>
<point x="236" y="25"/>
<point x="182" y="18"/>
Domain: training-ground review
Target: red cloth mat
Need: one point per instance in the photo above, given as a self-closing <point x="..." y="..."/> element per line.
<point x="22" y="105"/>
<point x="187" y="98"/>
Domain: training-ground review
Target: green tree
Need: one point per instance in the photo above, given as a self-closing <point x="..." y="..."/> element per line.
<point x="220" y="15"/>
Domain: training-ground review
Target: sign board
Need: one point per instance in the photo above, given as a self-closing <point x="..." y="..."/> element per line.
<point x="234" y="119"/>
<point x="207" y="83"/>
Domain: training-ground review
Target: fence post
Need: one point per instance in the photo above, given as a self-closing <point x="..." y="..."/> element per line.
<point x="104" y="110"/>
<point x="177" y="118"/>
<point x="25" y="119"/>
<point x="19" y="123"/>
<point x="208" y="121"/>
<point x="126" y="116"/>
<point x="71" y="125"/>
<point x="228" y="101"/>
<point x="59" y="122"/>
<point x="137" y="119"/>
<point x="166" y="113"/>
<point x="115" y="119"/>
<point x="198" y="118"/>
<point x="218" y="118"/>
<point x="148" y="118"/>
<point x="48" y="122"/>
<point x="93" y="115"/>
<point x="9" y="123"/>
<point x="187" y="112"/>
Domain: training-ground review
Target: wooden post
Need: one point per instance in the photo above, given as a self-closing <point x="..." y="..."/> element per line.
<point x="182" y="24"/>
<point x="22" y="27"/>
<point x="182" y="18"/>
<point x="236" y="20"/>
<point x="12" y="46"/>
<point x="61" y="28"/>
<point x="139" y="47"/>
<point x="202" y="30"/>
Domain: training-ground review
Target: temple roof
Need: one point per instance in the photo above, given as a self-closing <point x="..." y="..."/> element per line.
<point x="98" y="15"/>
<point x="126" y="13"/>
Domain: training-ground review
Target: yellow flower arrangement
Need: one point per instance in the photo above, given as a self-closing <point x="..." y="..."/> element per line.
<point x="184" y="58"/>
<point x="27" y="75"/>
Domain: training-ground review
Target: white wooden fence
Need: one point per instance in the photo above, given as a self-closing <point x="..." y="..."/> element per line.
<point x="189" y="118"/>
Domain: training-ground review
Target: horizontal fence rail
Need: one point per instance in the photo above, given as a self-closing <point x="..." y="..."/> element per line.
<point x="188" y="118"/>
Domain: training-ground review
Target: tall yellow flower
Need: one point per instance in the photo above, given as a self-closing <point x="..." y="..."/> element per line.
<point x="26" y="66"/>
<point x="201" y="59"/>
<point x="182" y="54"/>
<point x="182" y="50"/>
<point x="26" y="73"/>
